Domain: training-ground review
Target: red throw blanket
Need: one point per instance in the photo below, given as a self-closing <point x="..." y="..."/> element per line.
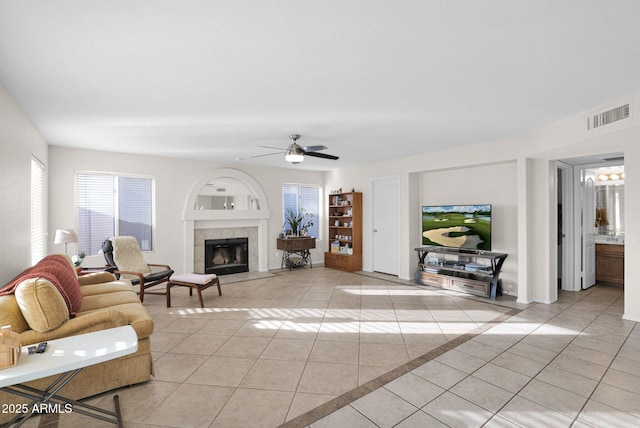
<point x="57" y="270"/>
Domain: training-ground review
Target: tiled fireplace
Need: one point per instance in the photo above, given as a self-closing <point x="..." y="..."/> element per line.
<point x="227" y="260"/>
<point x="203" y="224"/>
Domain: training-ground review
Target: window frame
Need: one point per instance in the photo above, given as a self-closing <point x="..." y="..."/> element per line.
<point x="116" y="176"/>
<point x="317" y="215"/>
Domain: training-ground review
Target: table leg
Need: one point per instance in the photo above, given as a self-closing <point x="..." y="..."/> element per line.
<point x="116" y="402"/>
<point x="48" y="397"/>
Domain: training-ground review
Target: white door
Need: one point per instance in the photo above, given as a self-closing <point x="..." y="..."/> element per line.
<point x="385" y="221"/>
<point x="588" y="229"/>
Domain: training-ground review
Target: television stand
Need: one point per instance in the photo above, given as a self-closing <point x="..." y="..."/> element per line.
<point x="461" y="271"/>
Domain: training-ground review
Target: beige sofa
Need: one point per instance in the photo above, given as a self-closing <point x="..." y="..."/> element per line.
<point x="105" y="303"/>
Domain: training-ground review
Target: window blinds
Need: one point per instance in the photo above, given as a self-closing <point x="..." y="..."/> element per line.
<point x="111" y="205"/>
<point x="38" y="211"/>
<point x="298" y="197"/>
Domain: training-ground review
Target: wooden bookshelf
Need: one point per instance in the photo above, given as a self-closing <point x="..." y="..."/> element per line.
<point x="345" y="232"/>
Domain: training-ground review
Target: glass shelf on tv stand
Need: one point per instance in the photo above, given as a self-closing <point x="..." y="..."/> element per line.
<point x="459" y="252"/>
<point x="440" y="268"/>
<point x="453" y="274"/>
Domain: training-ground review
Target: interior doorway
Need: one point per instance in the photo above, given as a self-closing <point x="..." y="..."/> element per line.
<point x="578" y="231"/>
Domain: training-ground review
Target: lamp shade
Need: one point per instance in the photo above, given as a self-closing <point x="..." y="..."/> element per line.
<point x="65" y="236"/>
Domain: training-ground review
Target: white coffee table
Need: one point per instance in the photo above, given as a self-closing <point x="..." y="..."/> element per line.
<point x="67" y="357"/>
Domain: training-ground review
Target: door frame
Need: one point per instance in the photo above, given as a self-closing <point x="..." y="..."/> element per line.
<point x="588" y="209"/>
<point x="569" y="206"/>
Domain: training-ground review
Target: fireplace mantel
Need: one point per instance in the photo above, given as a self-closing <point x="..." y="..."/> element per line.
<point x="225" y="215"/>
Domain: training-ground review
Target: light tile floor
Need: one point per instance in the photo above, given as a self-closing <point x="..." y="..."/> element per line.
<point x="323" y="348"/>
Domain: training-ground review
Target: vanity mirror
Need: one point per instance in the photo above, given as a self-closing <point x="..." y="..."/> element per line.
<point x="610" y="209"/>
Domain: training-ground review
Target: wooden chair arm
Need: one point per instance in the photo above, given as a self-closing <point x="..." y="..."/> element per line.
<point x="138" y="274"/>
<point x="166" y="267"/>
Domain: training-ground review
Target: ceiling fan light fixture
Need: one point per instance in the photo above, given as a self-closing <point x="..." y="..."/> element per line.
<point x="294" y="154"/>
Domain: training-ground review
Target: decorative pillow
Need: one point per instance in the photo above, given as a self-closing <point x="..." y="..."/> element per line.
<point x="42" y="305"/>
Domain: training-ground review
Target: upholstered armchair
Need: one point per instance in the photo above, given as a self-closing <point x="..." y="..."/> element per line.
<point x="125" y="258"/>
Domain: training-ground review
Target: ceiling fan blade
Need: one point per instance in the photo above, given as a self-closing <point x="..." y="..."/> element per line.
<point x="321" y="155"/>
<point x="268" y="154"/>
<point x="308" y="149"/>
<point x="274" y="148"/>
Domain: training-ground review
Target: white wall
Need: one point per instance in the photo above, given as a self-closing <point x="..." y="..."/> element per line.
<point x="534" y="156"/>
<point x="174" y="179"/>
<point x="494" y="184"/>
<point x="19" y="141"/>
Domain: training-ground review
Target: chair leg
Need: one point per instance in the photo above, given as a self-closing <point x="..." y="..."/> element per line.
<point x="219" y="289"/>
<point x="169" y="294"/>
<point x="141" y="293"/>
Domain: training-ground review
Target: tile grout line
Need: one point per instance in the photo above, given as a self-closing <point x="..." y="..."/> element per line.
<point x="531" y="378"/>
<point x="370" y="386"/>
<point x="547" y="364"/>
<point x="608" y="366"/>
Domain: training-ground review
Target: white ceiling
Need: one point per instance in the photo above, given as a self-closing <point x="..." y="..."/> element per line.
<point x="370" y="79"/>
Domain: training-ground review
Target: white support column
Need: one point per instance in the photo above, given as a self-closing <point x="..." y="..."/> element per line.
<point x="525" y="294"/>
<point x="188" y="256"/>
<point x="263" y="245"/>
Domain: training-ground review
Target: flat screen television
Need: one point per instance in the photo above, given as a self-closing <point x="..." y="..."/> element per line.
<point x="457" y="226"/>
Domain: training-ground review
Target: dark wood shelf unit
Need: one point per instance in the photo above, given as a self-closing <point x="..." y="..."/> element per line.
<point x="456" y="269"/>
<point x="345" y="229"/>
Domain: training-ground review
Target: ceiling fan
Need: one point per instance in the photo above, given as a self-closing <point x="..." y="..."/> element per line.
<point x="295" y="153"/>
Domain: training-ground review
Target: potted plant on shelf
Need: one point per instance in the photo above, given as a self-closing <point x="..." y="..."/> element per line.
<point x="298" y="221"/>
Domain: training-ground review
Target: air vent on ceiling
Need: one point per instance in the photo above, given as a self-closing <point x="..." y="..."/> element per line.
<point x="221" y="189"/>
<point x="614" y="159"/>
<point x="609" y="116"/>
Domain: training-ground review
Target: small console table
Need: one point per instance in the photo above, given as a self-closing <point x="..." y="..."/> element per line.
<point x="459" y="271"/>
<point x="66" y="357"/>
<point x="299" y="246"/>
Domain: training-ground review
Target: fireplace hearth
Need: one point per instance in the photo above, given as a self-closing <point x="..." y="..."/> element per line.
<point x="226" y="256"/>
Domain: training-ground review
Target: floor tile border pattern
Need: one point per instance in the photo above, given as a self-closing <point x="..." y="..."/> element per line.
<point x="343" y="401"/>
<point x="347" y="398"/>
<point x="353" y="395"/>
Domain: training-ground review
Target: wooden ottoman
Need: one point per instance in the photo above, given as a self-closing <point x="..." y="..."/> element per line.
<point x="199" y="281"/>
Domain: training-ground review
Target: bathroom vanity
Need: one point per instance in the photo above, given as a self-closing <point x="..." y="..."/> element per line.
<point x="610" y="263"/>
<point x="610" y="221"/>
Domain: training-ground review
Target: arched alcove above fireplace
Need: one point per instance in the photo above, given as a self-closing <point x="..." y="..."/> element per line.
<point x="248" y="217"/>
